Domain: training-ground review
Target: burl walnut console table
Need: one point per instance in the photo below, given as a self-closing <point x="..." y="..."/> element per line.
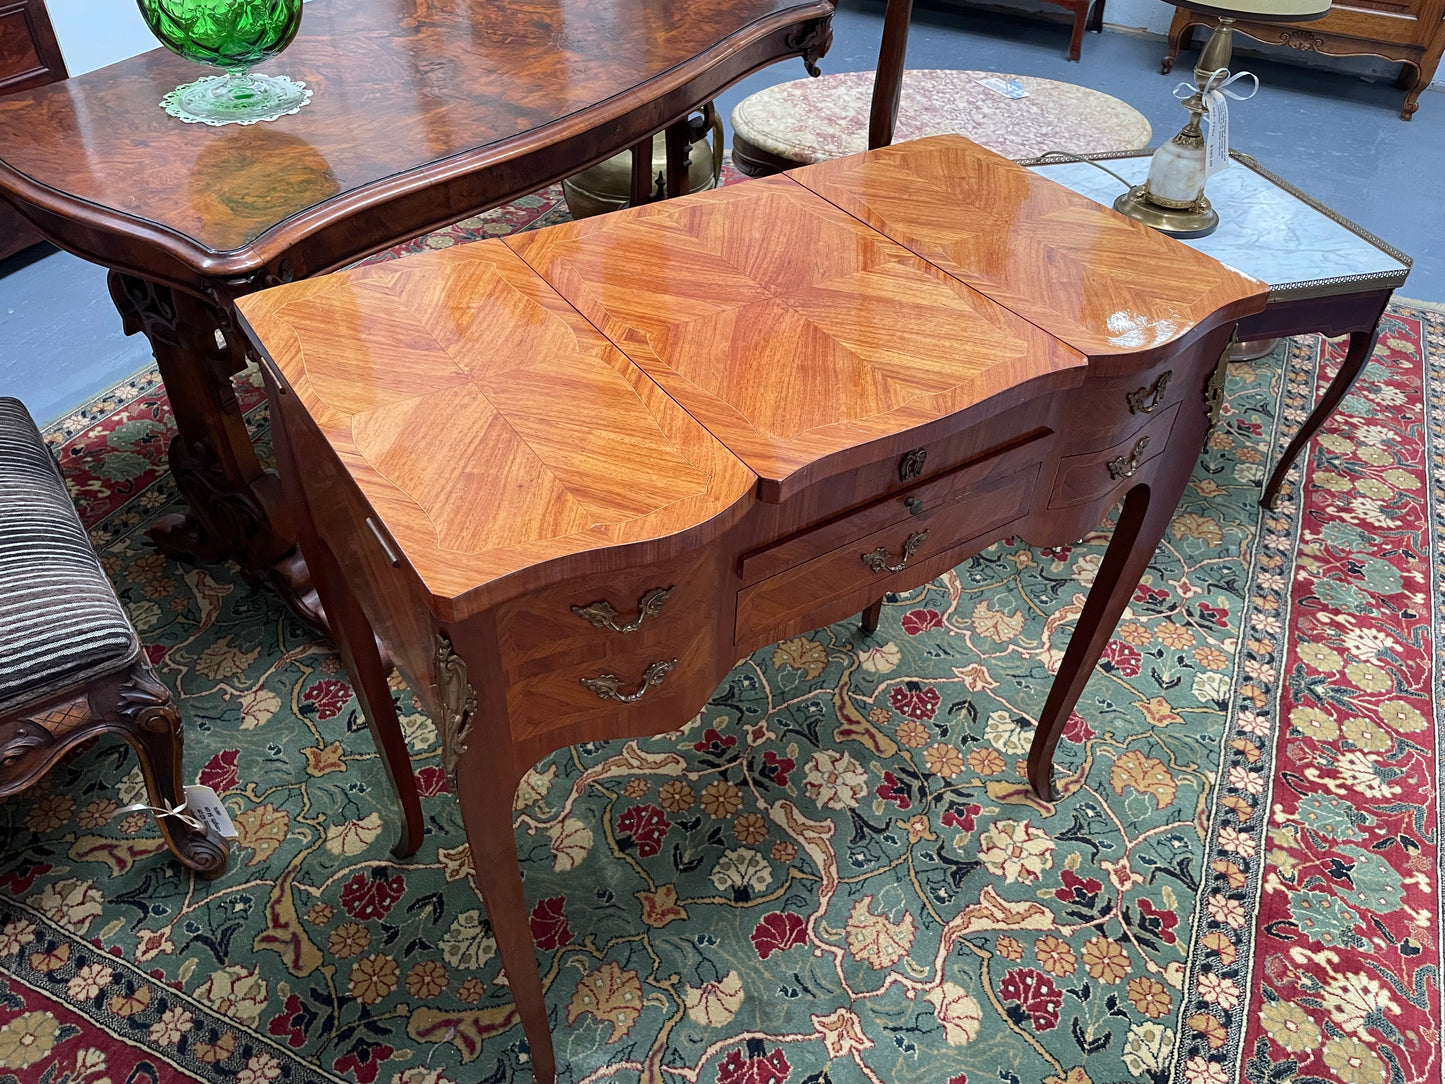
<point x="424" y="113"/>
<point x="570" y="476"/>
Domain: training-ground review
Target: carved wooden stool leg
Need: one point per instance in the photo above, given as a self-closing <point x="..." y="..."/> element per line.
<point x="141" y="708"/>
<point x="870" y="618"/>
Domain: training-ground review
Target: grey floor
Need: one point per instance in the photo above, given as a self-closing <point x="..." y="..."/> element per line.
<point x="1335" y="135"/>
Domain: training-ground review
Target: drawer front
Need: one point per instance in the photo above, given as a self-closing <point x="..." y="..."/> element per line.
<point x="605" y="613"/>
<point x="904" y="507"/>
<point x="1090" y="475"/>
<point x="879" y="562"/>
<point x="1112" y="409"/>
<point x="644" y="689"/>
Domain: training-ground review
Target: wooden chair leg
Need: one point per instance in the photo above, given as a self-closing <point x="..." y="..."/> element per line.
<point x="679" y="153"/>
<point x="142" y="710"/>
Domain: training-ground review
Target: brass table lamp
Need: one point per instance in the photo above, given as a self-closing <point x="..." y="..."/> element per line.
<point x="1172" y="199"/>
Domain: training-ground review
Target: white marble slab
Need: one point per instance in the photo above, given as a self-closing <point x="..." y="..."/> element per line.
<point x="1263" y="231"/>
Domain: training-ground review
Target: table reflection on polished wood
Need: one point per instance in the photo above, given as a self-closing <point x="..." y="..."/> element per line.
<point x="569" y="477"/>
<point x="425" y="111"/>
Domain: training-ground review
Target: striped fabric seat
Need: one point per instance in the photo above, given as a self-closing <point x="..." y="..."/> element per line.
<point x="60" y="620"/>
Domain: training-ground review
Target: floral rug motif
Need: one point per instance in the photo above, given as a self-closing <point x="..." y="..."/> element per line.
<point x="835" y="872"/>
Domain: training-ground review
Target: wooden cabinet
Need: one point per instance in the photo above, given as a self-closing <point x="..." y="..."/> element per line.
<point x="29" y="57"/>
<point x="1409" y="31"/>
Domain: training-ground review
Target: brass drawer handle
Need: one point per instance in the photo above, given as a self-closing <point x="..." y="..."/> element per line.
<point x="1145" y="400"/>
<point x="911" y="465"/>
<point x="1124" y="467"/>
<point x="603" y="616"/>
<point x="607" y="685"/>
<point x="878" y="559"/>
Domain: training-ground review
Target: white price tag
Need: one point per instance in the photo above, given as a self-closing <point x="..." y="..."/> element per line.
<point x="1009" y="88"/>
<point x="202" y="803"/>
<point x="1216" y="142"/>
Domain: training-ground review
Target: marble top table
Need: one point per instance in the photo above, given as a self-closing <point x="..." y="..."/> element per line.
<point x="816" y="120"/>
<point x="1325" y="273"/>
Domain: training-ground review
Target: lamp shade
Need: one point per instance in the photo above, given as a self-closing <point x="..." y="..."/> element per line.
<point x="1263" y="11"/>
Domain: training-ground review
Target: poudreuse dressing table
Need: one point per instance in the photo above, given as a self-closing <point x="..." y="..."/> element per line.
<point x="570" y="476"/>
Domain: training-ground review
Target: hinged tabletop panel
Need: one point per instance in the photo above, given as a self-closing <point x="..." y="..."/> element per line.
<point x="489" y="426"/>
<point x="799" y="336"/>
<point x="1099" y="281"/>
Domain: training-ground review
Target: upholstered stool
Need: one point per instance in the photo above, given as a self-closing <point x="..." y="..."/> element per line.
<point x="71" y="666"/>
<point x="812" y="120"/>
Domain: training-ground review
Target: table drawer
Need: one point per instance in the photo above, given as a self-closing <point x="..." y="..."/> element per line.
<point x="902" y="507"/>
<point x="879" y="562"/>
<point x="614" y="611"/>
<point x="1118" y="407"/>
<point x="651" y="683"/>
<point x="1090" y="475"/>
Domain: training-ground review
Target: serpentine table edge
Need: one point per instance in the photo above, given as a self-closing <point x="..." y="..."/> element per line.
<point x="1015" y="404"/>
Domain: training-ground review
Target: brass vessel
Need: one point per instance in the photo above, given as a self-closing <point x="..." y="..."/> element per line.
<point x="607" y="186"/>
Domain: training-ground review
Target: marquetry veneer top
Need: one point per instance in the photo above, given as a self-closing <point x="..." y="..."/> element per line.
<point x="489" y="426"/>
<point x="791" y="330"/>
<point x="634" y="377"/>
<point x="1104" y="284"/>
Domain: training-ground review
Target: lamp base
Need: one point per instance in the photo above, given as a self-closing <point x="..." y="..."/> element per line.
<point x="1180" y="222"/>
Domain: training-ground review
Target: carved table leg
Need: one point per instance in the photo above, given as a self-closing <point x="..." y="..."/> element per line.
<point x="1181" y="36"/>
<point x="1076" y="37"/>
<point x="1362" y="345"/>
<point x="143" y="711"/>
<point x="870" y="618"/>
<point x="1145" y="516"/>
<point x="352" y="633"/>
<point x="487" y="813"/>
<point x="236" y="510"/>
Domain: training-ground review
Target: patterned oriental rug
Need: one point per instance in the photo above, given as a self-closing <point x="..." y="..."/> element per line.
<point x="834" y="873"/>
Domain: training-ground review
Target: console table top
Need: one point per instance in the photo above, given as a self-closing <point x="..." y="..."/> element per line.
<point x="406" y="93"/>
<point x="753" y="339"/>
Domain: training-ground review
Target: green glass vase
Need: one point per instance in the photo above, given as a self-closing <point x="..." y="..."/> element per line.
<point x="235" y="36"/>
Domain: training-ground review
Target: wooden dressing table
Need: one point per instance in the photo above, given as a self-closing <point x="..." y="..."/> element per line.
<point x="569" y="477"/>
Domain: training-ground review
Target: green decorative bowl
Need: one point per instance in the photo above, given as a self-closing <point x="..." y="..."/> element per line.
<point x="234" y="35"/>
